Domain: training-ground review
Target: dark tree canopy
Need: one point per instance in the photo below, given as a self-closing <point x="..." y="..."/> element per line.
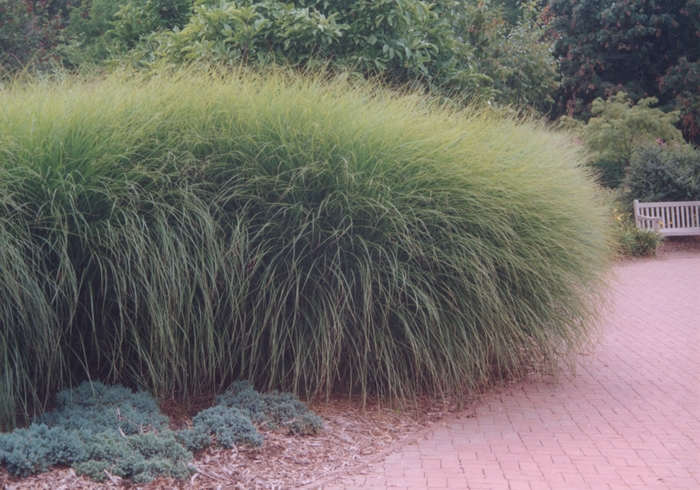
<point x="29" y="30"/>
<point x="607" y="46"/>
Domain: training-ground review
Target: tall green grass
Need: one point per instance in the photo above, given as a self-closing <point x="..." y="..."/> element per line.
<point x="177" y="232"/>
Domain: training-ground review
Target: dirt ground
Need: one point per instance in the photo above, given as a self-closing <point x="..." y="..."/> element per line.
<point x="679" y="244"/>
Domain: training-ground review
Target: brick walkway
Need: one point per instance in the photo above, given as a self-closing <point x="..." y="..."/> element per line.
<point x="629" y="419"/>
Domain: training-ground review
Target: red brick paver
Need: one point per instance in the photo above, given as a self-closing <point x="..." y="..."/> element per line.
<point x="628" y="419"/>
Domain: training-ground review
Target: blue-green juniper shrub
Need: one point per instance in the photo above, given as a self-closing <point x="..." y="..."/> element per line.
<point x="34" y="449"/>
<point x="229" y="425"/>
<point x="139" y="457"/>
<point x="273" y="408"/>
<point x="106" y="408"/>
<point x="231" y="420"/>
<point x="102" y="429"/>
<point x="96" y="428"/>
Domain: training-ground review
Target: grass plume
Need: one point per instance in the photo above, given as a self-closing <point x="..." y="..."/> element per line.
<point x="177" y="232"/>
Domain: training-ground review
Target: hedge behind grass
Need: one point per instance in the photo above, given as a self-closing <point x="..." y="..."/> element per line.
<point x="178" y="232"/>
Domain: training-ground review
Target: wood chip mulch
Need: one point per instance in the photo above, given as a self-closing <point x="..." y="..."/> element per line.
<point x="353" y="437"/>
<point x="679" y="244"/>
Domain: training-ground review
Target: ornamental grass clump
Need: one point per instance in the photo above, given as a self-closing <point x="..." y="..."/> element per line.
<point x="180" y="231"/>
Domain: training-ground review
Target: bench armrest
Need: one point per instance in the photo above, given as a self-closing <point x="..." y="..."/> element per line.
<point x="655" y="220"/>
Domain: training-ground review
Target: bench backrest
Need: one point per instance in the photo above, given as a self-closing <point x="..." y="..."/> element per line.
<point x="672" y="216"/>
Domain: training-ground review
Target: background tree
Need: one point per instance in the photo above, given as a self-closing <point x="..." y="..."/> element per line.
<point x="99" y="29"/>
<point x="451" y="47"/>
<point x="517" y="57"/>
<point x="682" y="84"/>
<point x="491" y="49"/>
<point x="607" y="46"/>
<point x="512" y="9"/>
<point x="618" y="128"/>
<point x="29" y="31"/>
<point x="664" y="172"/>
<point x="406" y="41"/>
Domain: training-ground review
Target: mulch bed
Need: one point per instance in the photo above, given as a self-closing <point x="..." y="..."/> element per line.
<point x="680" y="244"/>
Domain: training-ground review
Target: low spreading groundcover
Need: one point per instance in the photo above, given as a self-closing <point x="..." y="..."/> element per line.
<point x="109" y="430"/>
<point x="175" y="232"/>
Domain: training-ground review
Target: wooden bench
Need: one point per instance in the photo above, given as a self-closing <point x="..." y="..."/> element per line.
<point x="668" y="218"/>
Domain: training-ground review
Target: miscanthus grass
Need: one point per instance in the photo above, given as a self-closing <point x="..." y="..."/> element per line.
<point x="178" y="232"/>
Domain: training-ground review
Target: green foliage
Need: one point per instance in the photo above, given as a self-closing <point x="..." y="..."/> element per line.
<point x="134" y="21"/>
<point x="617" y="128"/>
<point x="99" y="29"/>
<point x="635" y="242"/>
<point x="450" y="48"/>
<point x="85" y="37"/>
<point x="664" y="173"/>
<point x="517" y="57"/>
<point x="404" y="40"/>
<point x="607" y="46"/>
<point x="681" y="83"/>
<point x="29" y="30"/>
<point x="96" y="428"/>
<point x="513" y="9"/>
<point x="630" y="241"/>
<point x="176" y="231"/>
